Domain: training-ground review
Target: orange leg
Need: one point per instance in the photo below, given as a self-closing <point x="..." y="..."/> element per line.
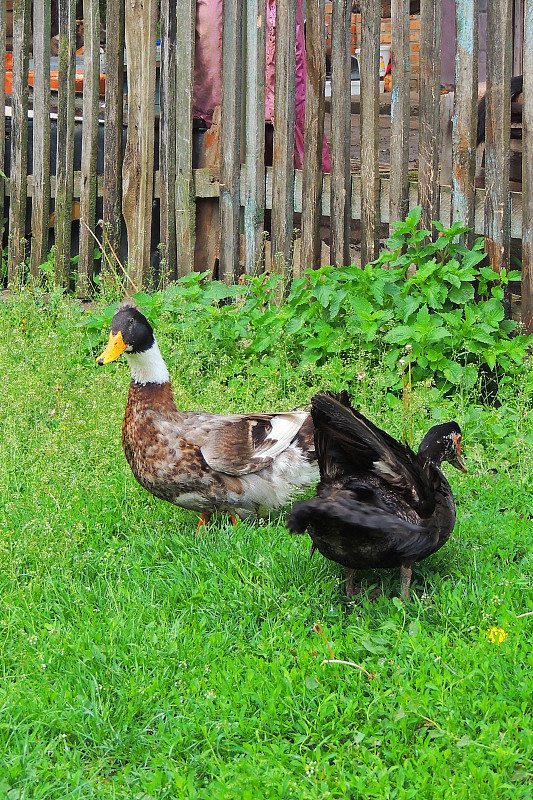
<point x="204" y="519"/>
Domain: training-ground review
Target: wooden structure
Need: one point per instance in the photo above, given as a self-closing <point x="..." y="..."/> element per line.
<point x="236" y="183"/>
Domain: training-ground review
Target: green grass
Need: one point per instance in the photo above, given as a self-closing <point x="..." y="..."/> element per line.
<point x="140" y="661"/>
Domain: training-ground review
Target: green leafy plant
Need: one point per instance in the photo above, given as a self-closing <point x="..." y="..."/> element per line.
<point x="436" y="298"/>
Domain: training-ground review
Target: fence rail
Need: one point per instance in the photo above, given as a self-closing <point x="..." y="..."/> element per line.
<point x="207" y="198"/>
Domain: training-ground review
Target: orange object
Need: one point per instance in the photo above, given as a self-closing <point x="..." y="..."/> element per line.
<point x="53" y="79"/>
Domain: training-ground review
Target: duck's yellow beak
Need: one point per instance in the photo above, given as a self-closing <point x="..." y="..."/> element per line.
<point x="115" y="347"/>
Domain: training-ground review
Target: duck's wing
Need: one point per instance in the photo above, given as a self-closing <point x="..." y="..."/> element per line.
<point x="364" y="521"/>
<point x="349" y="444"/>
<point x="242" y="444"/>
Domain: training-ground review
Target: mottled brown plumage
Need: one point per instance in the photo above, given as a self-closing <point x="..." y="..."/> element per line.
<point x="241" y="464"/>
<point x="378" y="503"/>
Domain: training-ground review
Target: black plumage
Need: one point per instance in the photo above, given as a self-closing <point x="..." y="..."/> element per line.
<point x="378" y="503"/>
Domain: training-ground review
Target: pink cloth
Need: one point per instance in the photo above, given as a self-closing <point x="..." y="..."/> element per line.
<point x="207" y="70"/>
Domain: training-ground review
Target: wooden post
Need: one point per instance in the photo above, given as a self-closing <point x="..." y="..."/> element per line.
<point x="185" y="207"/>
<point x="167" y="141"/>
<point x="340" y="213"/>
<point x="428" y="144"/>
<point x="230" y="146"/>
<point x="464" y="121"/>
<point x="113" y="136"/>
<point x="2" y="100"/>
<point x="40" y="213"/>
<point x="138" y="165"/>
<point x="89" y="147"/>
<point x="369" y="69"/>
<point x="313" y="135"/>
<point x="65" y="139"/>
<point x="283" y="156"/>
<point x="498" y="107"/>
<point x="527" y="171"/>
<point x="400" y="111"/>
<point x="19" y="142"/>
<point x="254" y="200"/>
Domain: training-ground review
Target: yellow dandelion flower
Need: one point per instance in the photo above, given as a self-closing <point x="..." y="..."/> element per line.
<point x="497" y="635"/>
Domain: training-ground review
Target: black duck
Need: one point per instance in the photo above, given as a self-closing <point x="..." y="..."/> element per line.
<point x="378" y="503"/>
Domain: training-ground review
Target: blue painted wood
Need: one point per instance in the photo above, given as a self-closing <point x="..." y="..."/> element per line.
<point x="464" y="122"/>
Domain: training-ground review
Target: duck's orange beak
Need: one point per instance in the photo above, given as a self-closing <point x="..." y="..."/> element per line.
<point x="115" y="347"/>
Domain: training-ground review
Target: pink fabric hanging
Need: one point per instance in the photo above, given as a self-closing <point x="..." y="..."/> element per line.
<point x="207" y="70"/>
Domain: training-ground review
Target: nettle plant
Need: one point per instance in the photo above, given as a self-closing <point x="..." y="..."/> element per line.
<point x="434" y="297"/>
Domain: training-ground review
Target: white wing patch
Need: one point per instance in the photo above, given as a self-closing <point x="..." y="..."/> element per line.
<point x="284" y="429"/>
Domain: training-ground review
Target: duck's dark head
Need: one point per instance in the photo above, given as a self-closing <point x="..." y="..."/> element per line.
<point x="132" y="334"/>
<point x="443" y="443"/>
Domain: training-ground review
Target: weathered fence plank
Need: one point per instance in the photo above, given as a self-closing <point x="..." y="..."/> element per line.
<point x="138" y="165"/>
<point x="314" y="134"/>
<point x="2" y="100"/>
<point x="40" y="214"/>
<point x="230" y="145"/>
<point x="400" y="110"/>
<point x="340" y="136"/>
<point x="113" y="130"/>
<point x="527" y="171"/>
<point x="465" y="110"/>
<point x="498" y="126"/>
<point x="185" y="207"/>
<point x="19" y="142"/>
<point x="167" y="141"/>
<point x="283" y="154"/>
<point x="254" y="198"/>
<point x="518" y="37"/>
<point x="65" y="139"/>
<point x="89" y="149"/>
<point x="428" y="142"/>
<point x="370" y="216"/>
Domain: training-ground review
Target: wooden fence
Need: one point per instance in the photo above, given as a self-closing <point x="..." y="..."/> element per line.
<point x="190" y="216"/>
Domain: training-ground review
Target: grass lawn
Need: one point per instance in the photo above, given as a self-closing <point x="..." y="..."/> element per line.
<point x="140" y="661"/>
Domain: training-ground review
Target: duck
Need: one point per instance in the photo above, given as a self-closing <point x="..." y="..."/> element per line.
<point x="378" y="503"/>
<point x="238" y="464"/>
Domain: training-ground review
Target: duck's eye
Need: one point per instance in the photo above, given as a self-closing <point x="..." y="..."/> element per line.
<point x="457" y="440"/>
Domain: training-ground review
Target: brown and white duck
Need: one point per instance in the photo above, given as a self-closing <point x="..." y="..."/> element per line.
<point x="240" y="464"/>
<point x="378" y="503"/>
